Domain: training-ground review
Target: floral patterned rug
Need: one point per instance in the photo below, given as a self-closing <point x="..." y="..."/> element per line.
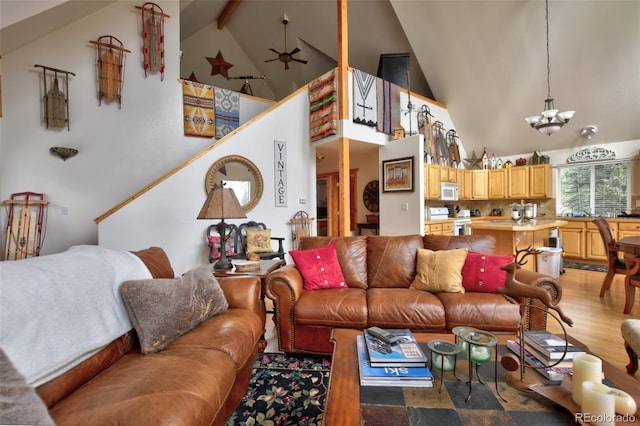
<point x="284" y="389"/>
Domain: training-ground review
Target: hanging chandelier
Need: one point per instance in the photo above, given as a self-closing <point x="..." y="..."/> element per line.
<point x="551" y="119"/>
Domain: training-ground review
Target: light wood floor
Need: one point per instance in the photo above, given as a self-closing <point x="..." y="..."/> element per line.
<point x="596" y="320"/>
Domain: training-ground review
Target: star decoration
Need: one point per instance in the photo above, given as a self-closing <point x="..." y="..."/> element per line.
<point x="193" y="77"/>
<point x="219" y="65"/>
<point x="474" y="161"/>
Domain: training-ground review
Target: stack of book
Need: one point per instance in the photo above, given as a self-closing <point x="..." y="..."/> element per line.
<point x="402" y="363"/>
<point x="543" y="349"/>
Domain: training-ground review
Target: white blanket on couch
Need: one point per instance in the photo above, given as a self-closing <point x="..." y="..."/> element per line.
<point x="58" y="310"/>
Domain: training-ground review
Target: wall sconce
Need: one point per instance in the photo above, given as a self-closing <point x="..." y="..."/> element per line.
<point x="63" y="152"/>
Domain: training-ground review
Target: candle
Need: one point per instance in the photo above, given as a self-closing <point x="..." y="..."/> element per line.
<point x="480" y="354"/>
<point x="625" y="404"/>
<point x="443" y="362"/>
<point x="585" y="368"/>
<point x="598" y="403"/>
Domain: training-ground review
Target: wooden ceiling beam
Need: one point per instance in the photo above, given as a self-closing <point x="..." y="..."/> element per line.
<point x="226" y="13"/>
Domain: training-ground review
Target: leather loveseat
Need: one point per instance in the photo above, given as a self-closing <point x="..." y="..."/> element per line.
<point x="378" y="271"/>
<point x="197" y="379"/>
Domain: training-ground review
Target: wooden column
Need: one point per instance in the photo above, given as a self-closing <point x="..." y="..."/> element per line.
<point x="344" y="227"/>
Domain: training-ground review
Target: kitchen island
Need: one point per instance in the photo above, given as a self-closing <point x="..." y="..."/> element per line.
<point x="512" y="235"/>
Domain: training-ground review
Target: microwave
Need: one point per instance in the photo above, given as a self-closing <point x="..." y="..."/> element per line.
<point x="448" y="191"/>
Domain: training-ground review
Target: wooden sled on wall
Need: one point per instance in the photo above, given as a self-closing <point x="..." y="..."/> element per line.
<point x="110" y="53"/>
<point x="56" y="101"/>
<point x="153" y="38"/>
<point x="25" y="225"/>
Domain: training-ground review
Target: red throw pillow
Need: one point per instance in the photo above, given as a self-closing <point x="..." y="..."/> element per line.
<point x="319" y="268"/>
<point x="481" y="272"/>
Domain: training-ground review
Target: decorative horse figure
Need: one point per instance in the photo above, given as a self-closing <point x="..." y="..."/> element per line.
<point x="517" y="292"/>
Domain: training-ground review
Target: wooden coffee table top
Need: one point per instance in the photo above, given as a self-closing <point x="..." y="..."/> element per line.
<point x="343" y="399"/>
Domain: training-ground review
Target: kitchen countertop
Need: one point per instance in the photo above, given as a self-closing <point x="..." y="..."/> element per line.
<point x="508" y="225"/>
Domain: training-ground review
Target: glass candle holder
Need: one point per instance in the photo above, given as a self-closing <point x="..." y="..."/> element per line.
<point x="443" y="357"/>
<point x="481" y="345"/>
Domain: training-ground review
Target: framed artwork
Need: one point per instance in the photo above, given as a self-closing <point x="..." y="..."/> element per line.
<point x="397" y="175"/>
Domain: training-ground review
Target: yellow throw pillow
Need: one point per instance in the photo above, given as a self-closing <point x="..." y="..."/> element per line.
<point x="440" y="270"/>
<point x="258" y="240"/>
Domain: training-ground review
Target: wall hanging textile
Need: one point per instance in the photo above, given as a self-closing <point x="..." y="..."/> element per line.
<point x="111" y="54"/>
<point x="227" y="110"/>
<point x="198" y="109"/>
<point x="365" y="105"/>
<point x="56" y="103"/>
<point x="388" y="96"/>
<point x="153" y="38"/>
<point x="323" y="101"/>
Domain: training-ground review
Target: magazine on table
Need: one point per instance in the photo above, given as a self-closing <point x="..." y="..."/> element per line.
<point x="405" y="352"/>
<point x="549" y="345"/>
<point x="553" y="374"/>
<point x="390" y="376"/>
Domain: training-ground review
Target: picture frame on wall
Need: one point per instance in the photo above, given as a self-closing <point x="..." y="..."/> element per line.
<point x="397" y="175"/>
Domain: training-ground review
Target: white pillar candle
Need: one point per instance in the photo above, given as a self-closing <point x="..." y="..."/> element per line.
<point x="585" y="368"/>
<point x="598" y="404"/>
<point x="625" y="404"/>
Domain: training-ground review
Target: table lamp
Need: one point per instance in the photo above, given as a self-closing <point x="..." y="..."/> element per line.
<point x="222" y="204"/>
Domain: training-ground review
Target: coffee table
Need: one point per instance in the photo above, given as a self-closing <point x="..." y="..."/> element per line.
<point x="343" y="404"/>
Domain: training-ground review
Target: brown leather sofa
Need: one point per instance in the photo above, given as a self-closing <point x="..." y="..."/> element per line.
<point x="198" y="379"/>
<point x="378" y="271"/>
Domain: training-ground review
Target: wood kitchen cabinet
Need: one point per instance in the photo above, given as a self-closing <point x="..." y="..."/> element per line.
<point x="595" y="248"/>
<point x="467" y="187"/>
<point x="628" y="229"/>
<point x="480" y="184"/>
<point x="433" y="229"/>
<point x="432" y="181"/>
<point x="498" y="184"/>
<point x="540" y="181"/>
<point x="448" y="174"/>
<point x="573" y="239"/>
<point x="518" y="178"/>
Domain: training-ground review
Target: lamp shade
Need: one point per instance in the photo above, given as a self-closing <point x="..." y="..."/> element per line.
<point x="221" y="203"/>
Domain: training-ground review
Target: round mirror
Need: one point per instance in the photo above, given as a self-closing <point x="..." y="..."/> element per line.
<point x="239" y="174"/>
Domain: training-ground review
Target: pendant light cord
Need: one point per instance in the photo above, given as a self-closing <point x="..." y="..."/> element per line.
<point x="546" y="18"/>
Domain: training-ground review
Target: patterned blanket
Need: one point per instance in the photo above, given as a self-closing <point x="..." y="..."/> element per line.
<point x="388" y="106"/>
<point x="323" y="106"/>
<point x="365" y="105"/>
<point x="198" y="109"/>
<point x="227" y="111"/>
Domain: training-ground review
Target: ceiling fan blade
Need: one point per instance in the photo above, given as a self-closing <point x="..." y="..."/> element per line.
<point x="302" y="61"/>
<point x="274" y="51"/>
<point x="271" y="60"/>
<point x="294" y="51"/>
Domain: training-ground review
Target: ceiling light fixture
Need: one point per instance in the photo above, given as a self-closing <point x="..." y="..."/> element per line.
<point x="589" y="131"/>
<point x="551" y="120"/>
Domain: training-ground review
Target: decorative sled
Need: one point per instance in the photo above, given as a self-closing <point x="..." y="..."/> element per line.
<point x="153" y="38"/>
<point x="110" y="52"/>
<point x="25" y="225"/>
<point x="56" y="103"/>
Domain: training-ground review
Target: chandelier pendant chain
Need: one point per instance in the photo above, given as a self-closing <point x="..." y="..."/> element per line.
<point x="546" y="19"/>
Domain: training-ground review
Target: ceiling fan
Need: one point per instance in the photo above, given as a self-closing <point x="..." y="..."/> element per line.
<point x="284" y="56"/>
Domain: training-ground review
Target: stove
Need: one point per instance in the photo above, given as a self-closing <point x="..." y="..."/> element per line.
<point x="437" y="213"/>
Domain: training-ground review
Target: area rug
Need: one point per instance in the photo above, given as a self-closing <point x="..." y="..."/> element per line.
<point x="584" y="266"/>
<point x="284" y="390"/>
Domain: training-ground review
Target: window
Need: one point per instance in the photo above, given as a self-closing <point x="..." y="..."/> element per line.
<point x="598" y="188"/>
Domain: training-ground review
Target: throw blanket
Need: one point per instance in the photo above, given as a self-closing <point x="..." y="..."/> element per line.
<point x="58" y="310"/>
<point x="227" y="111"/>
<point x="198" y="109"/>
<point x="388" y="106"/>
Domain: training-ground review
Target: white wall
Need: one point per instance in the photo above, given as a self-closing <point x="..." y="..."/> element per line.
<point x="165" y="216"/>
<point x="121" y="150"/>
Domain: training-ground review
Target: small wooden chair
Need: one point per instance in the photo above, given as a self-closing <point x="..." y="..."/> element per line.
<point x="242" y="238"/>
<point x="615" y="265"/>
<point x="631" y="281"/>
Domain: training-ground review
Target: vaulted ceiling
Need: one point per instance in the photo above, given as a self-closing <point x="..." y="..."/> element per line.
<point x="486" y="60"/>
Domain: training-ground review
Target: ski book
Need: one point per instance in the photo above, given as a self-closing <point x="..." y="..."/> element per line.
<point x="554" y="374"/>
<point x="390" y="376"/>
<point x="405" y="352"/>
<point x="549" y="345"/>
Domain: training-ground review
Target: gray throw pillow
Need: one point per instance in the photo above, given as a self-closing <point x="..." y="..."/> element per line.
<point x="19" y="402"/>
<point x="162" y="310"/>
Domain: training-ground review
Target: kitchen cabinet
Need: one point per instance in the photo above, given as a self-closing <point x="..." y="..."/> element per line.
<point x="432" y="181"/>
<point x="480" y="184"/>
<point x="628" y="228"/>
<point x="467" y="187"/>
<point x="448" y="174"/>
<point x="573" y="239"/>
<point x="539" y="181"/>
<point x="433" y="229"/>
<point x="497" y="184"/>
<point x="518" y="178"/>
<point x="595" y="249"/>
